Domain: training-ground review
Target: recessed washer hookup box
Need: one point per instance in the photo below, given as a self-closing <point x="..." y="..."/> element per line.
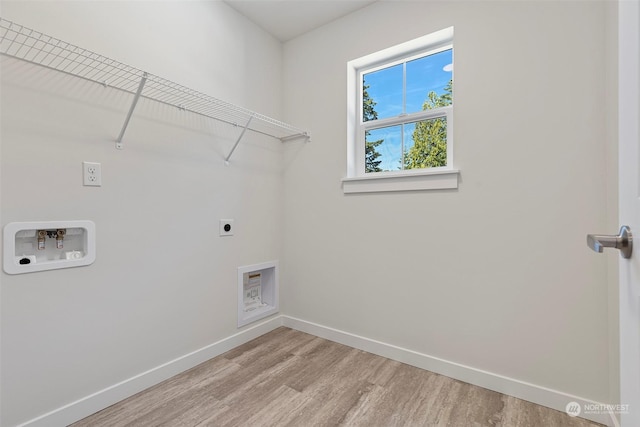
<point x="48" y="245"/>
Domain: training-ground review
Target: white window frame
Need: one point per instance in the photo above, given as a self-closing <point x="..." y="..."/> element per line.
<point x="357" y="181"/>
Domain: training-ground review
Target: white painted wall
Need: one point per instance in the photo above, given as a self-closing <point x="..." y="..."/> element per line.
<point x="495" y="275"/>
<point x="164" y="283"/>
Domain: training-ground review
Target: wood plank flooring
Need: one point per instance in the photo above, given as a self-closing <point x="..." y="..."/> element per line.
<point x="289" y="378"/>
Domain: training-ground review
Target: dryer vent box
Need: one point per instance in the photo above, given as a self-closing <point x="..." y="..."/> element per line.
<point x="257" y="292"/>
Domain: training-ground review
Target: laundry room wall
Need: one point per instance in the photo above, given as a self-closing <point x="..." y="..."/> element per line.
<point x="164" y="283"/>
<point x="493" y="277"/>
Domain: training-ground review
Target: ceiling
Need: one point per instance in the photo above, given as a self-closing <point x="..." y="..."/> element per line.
<point x="287" y="19"/>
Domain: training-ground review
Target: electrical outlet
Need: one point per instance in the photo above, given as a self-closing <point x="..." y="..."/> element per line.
<point x="226" y="227"/>
<point x="91" y="174"/>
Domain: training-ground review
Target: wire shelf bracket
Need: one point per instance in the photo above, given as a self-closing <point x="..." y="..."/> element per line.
<point x="226" y="160"/>
<point x="133" y="107"/>
<point x="19" y="42"/>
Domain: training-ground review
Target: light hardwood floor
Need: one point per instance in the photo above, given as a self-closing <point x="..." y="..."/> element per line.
<point x="289" y="378"/>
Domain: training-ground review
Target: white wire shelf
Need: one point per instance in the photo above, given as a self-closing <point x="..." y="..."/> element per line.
<point x="17" y="41"/>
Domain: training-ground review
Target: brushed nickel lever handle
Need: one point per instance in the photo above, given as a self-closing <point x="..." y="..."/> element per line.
<point x="623" y="241"/>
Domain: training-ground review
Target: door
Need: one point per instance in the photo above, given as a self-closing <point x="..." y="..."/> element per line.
<point x="629" y="193"/>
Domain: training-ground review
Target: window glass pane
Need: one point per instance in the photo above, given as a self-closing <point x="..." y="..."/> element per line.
<point x="382" y="93"/>
<point x="383" y="149"/>
<point x="409" y="129"/>
<point x="428" y="81"/>
<point x="426" y="144"/>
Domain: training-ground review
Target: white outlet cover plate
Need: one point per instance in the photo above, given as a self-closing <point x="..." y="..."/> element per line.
<point x="224" y="222"/>
<point x="91" y="174"/>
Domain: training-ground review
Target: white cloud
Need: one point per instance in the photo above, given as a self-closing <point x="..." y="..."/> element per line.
<point x="448" y="68"/>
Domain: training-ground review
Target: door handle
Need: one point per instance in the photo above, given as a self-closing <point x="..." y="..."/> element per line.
<point x="623" y="241"/>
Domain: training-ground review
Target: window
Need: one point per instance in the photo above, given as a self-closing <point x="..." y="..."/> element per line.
<point x="400" y="117"/>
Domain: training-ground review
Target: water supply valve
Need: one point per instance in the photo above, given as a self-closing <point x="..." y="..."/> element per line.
<point x="60" y="233"/>
<point x="42" y="234"/>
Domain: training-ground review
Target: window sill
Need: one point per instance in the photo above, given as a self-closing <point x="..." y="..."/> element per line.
<point x="383" y="182"/>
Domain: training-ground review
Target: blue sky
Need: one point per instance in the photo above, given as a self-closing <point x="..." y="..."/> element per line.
<point x="430" y="73"/>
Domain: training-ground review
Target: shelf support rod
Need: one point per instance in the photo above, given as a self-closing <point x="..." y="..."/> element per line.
<point x="133" y="107"/>
<point x="226" y="160"/>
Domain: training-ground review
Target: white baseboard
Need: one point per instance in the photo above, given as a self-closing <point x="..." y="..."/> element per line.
<point x="530" y="392"/>
<point x="88" y="405"/>
<point x="95" y="402"/>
